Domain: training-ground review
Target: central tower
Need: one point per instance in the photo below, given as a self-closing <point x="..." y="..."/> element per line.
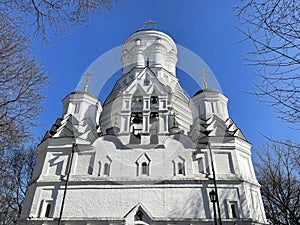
<point x="147" y="103"/>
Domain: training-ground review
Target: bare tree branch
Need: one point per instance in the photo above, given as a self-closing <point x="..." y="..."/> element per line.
<point x="278" y="172"/>
<point x="22" y="79"/>
<point x="273" y="26"/>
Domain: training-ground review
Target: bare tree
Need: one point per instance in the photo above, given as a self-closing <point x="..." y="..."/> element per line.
<point x="273" y="26"/>
<point x="50" y="18"/>
<point x="278" y="171"/>
<point x="22" y="80"/>
<point x="21" y="77"/>
<point x="16" y="166"/>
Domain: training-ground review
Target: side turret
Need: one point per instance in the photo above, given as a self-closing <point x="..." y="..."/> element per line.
<point x="80" y="117"/>
<point x="82" y="106"/>
<point x="209" y="102"/>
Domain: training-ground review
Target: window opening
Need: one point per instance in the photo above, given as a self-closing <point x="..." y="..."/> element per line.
<point x="106" y="169"/>
<point x="233" y="210"/>
<point x="139" y="216"/>
<point x="180" y="168"/>
<point x="138" y="42"/>
<point x="146" y="81"/>
<point x="137" y="118"/>
<point x="153" y="115"/>
<point x="212" y="107"/>
<point x="48" y="208"/>
<point x="76" y="107"/>
<point x="90" y="170"/>
<point x="144" y="168"/>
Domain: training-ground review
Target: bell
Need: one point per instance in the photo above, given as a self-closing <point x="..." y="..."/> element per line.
<point x="154" y="100"/>
<point x="136" y="119"/>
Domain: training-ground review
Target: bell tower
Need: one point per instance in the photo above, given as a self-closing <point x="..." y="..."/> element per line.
<point x="148" y="93"/>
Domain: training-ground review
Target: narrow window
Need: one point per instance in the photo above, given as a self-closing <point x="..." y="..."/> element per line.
<point x="76" y="107"/>
<point x="147" y="104"/>
<point x="106" y="169"/>
<point x="90" y="170"/>
<point x="146" y="82"/>
<point x="144" y="168"/>
<point x="180" y="168"/>
<point x="164" y="104"/>
<point x="233" y="210"/>
<point x="212" y="107"/>
<point x="48" y="208"/>
<point x="126" y="104"/>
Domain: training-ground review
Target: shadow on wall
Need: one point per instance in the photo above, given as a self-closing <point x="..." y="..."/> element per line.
<point x="190" y="208"/>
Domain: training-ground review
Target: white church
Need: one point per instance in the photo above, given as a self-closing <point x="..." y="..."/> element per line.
<point x="148" y="155"/>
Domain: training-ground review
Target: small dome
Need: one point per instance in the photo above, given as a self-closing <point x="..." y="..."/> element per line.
<point x="206" y="90"/>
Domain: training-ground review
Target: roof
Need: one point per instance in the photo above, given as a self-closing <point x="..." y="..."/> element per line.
<point x="206" y="90"/>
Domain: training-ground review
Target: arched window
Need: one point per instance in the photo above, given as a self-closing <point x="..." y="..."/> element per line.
<point x="180" y="168"/>
<point x="144" y="168"/>
<point x="233" y="210"/>
<point x="47" y="212"/>
<point x="138" y="42"/>
<point x="106" y="169"/>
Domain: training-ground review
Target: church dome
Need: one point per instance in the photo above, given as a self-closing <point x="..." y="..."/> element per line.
<point x="151" y="48"/>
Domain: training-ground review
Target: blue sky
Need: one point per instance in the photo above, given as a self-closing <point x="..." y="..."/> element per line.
<point x="207" y="28"/>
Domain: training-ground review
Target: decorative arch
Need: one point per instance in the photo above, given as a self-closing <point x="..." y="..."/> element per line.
<point x="143" y="165"/>
<point x="179" y="167"/>
<point x="105" y="166"/>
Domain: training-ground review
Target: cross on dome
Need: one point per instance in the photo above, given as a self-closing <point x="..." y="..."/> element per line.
<point x="150" y="23"/>
<point x="87" y="77"/>
<point x="204" y="72"/>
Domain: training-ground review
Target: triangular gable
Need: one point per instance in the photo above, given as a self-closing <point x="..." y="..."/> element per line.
<point x="217" y="123"/>
<point x="156" y="89"/>
<point x="131" y="216"/>
<point x="64" y="132"/>
<point x="143" y="158"/>
<point x="135" y="88"/>
<point x="154" y="84"/>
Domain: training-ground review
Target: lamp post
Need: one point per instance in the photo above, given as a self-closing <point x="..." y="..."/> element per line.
<point x="66" y="184"/>
<point x="215" y="191"/>
<point x="213" y="199"/>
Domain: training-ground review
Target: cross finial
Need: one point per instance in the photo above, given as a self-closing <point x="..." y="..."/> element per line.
<point x="150" y="23"/>
<point x="204" y="72"/>
<point x="86" y="75"/>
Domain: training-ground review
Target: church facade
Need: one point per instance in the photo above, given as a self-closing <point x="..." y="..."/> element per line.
<point x="149" y="155"/>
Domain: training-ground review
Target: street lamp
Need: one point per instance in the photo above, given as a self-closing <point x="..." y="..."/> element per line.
<point x="213" y="199"/>
<point x="214" y="194"/>
<point x="67" y="181"/>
